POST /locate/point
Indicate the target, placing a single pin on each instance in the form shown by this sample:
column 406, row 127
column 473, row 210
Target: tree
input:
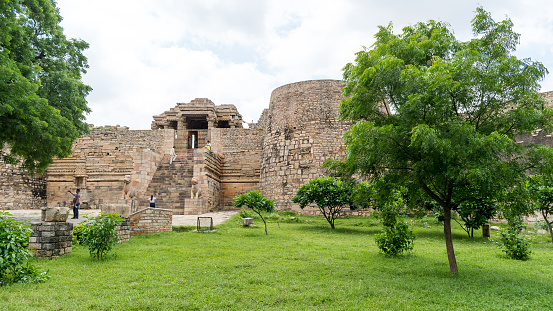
column 435, row 115
column 330, row 195
column 542, row 195
column 475, row 212
column 255, row 201
column 42, row 98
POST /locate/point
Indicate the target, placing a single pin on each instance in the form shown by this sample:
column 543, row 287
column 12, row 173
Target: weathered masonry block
column 150, row 220
column 51, row 239
column 124, row 230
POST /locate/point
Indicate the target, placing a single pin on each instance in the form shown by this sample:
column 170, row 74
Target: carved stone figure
column 128, row 191
column 196, row 191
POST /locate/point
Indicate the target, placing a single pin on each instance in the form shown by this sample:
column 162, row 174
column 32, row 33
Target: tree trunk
column 544, row 214
column 550, row 230
column 264, row 223
column 449, row 241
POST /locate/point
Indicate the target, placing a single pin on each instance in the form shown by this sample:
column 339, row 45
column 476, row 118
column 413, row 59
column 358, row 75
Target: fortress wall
column 18, row 190
column 101, row 159
column 548, row 96
column 241, row 151
column 302, row 132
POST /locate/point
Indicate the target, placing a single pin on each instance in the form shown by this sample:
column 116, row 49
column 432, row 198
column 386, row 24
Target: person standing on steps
column 76, row 203
column 208, row 145
column 152, row 200
column 173, row 155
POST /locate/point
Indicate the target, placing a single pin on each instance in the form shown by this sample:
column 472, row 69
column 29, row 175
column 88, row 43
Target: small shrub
column 514, row 244
column 99, row 234
column 78, row 231
column 395, row 240
column 244, row 213
column 14, row 253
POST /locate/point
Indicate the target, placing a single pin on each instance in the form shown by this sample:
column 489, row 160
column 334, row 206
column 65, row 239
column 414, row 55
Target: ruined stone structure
column 275, row 155
column 301, row 132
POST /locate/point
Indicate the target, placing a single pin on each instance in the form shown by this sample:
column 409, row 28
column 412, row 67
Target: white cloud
column 145, row 56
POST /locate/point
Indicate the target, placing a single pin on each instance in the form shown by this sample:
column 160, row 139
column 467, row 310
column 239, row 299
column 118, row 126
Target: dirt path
column 178, row 220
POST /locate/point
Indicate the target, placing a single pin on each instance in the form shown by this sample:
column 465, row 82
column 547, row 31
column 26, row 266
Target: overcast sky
column 146, row 56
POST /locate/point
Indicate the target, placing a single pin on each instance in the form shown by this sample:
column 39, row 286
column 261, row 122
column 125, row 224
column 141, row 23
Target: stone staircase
column 171, row 182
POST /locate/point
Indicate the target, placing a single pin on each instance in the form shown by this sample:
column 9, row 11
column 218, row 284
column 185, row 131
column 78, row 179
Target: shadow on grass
column 340, row 230
column 183, row 228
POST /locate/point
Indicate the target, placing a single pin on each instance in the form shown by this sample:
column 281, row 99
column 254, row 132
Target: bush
column 14, row 253
column 99, row 234
column 396, row 239
column 78, row 231
column 244, row 213
column 514, row 244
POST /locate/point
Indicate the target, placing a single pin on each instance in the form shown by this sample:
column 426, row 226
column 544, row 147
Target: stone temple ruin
column 276, row 155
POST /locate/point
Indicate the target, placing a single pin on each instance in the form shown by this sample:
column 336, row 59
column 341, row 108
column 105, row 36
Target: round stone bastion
column 302, row 132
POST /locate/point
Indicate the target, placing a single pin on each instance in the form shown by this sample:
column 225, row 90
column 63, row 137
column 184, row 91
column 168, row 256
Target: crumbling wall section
column 20, row 191
column 100, row 161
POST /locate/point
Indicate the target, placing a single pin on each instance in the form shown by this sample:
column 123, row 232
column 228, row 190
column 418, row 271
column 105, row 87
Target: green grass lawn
column 301, row 265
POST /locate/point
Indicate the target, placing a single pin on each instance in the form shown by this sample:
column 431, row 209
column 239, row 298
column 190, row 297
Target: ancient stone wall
column 241, row 151
column 101, row 159
column 150, row 220
column 20, row 191
column 211, row 186
column 548, row 96
column 302, row 132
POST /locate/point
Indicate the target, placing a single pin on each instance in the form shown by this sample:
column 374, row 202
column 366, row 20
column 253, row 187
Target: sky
column 146, row 56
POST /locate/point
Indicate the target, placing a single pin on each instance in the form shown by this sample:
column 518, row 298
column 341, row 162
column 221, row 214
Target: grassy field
column 301, row 265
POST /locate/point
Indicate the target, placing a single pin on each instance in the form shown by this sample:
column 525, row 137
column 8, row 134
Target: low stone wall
column 124, row 230
column 150, row 220
column 51, row 239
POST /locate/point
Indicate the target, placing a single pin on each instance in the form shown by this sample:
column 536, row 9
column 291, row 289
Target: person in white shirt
column 152, row 200
column 173, row 155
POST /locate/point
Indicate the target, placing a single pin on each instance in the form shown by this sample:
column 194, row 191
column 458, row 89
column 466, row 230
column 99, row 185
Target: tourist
column 208, row 145
column 173, row 155
column 76, row 203
column 152, row 200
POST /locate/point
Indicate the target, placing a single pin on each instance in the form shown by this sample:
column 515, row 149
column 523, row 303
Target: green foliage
column 395, row 240
column 244, row 213
column 330, row 195
column 42, row 98
column 78, row 233
column 98, row 233
column 541, row 189
column 14, row 255
column 475, row 212
column 436, row 115
column 515, row 245
column 256, row 202
column 396, row 237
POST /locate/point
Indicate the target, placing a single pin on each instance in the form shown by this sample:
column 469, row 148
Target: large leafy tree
column 42, row 98
column 436, row 115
